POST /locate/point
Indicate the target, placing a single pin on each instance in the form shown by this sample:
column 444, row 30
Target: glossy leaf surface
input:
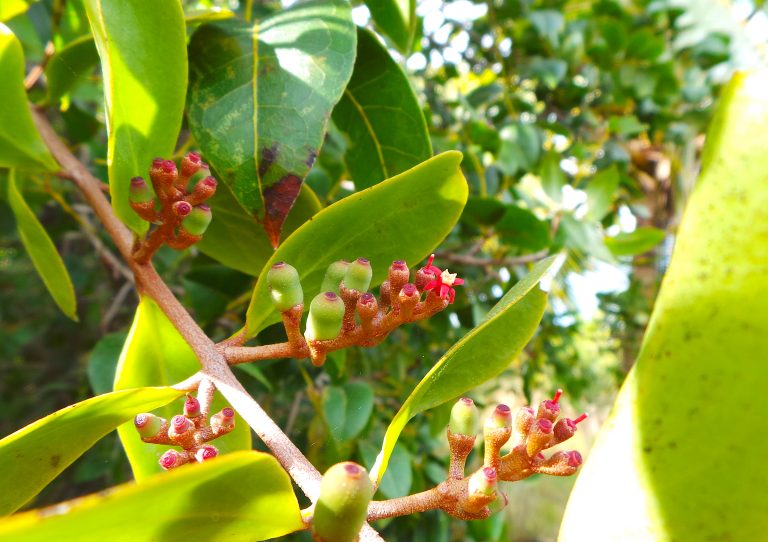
column 404, row 217
column 347, row 409
column 42, row 251
column 681, row 456
column 73, row 62
column 260, row 98
column 155, row 354
column 380, row 117
column 34, row 455
column 20, row 144
column 477, row 357
column 237, row 240
column 396, row 19
column 143, row 49
column 241, row 497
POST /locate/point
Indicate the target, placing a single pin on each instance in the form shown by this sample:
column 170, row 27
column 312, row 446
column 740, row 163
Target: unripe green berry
column 483, row 482
column 345, row 492
column 464, row 417
column 197, row 221
column 284, row 286
column 325, row 317
column 148, row 425
column 358, row 275
column 334, row 275
column 140, row 191
column 501, row 418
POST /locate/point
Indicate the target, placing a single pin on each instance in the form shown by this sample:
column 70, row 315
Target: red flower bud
column 182, row 208
column 550, row 409
column 191, row 407
column 205, row 453
column 190, row 164
column 399, row 274
column 501, row 417
column 172, row 459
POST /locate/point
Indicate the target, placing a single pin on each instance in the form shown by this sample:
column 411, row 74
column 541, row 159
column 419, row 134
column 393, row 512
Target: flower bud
column 326, row 313
column 399, row 274
column 191, row 407
column 205, row 453
column 163, row 172
column 565, row 428
column 172, row 459
column 409, row 294
column 464, row 417
column 225, row 418
column 334, row 275
column 501, row 418
column 523, row 421
column 540, row 436
column 140, row 192
column 179, row 426
column 550, row 409
column 560, row 464
column 198, row 220
column 385, row 293
column 148, row 425
column 182, row 209
column 367, row 308
column 345, row 492
column 358, row 275
column 190, row 164
column 284, row 286
column 423, row 277
column 203, row 189
column 483, row 482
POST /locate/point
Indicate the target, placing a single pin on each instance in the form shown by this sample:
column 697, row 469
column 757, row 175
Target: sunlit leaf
column 396, row 19
column 636, row 242
column 69, row 65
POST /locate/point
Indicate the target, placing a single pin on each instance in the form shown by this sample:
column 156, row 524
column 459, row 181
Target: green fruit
column 197, row 221
column 464, row 417
column 148, row 425
column 358, row 275
column 140, row 191
column 325, row 317
column 284, row 286
column 345, row 492
column 334, row 276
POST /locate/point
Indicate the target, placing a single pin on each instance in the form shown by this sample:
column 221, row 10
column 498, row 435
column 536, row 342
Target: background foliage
column 581, row 125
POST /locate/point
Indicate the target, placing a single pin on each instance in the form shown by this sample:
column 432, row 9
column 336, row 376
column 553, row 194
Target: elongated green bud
column 284, row 286
column 464, row 417
column 325, row 317
column 148, row 425
column 140, row 191
column 358, row 275
column 345, row 492
column 501, row 418
column 196, row 222
column 334, row 275
column 483, row 482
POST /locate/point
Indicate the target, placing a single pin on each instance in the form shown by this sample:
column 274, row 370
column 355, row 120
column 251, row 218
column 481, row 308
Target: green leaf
column 69, row 65
column 584, row 237
column 11, row 8
column 42, row 251
column 626, row 126
column 480, row 355
column 521, row 228
column 34, row 455
column 549, row 23
column 520, row 148
column 242, row 497
column 155, row 354
column 399, row 478
column 404, row 217
column 483, row 211
column 347, row 409
column 552, row 176
column 601, row 192
column 637, row 242
column 20, row 144
column 143, row 49
column 683, row 445
column 260, row 97
column 237, row 240
column 380, row 116
column 396, row 19
column 102, row 363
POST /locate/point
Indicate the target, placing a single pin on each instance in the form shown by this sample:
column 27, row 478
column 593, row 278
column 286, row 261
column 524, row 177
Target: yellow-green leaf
column 682, row 454
column 477, row 357
column 42, row 251
column 143, row 49
column 156, row 354
column 20, row 144
column 404, row 217
column 241, row 497
column 34, row 455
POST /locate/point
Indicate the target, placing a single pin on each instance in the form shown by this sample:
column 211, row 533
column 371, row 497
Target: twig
column 464, row 259
column 115, row 306
column 35, row 73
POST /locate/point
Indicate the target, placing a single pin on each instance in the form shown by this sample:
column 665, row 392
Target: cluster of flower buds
column 345, row 492
column 171, row 203
column 345, row 313
column 531, row 432
column 190, row 431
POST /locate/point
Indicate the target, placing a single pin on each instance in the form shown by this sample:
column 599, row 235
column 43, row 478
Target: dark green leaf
column 155, row 354
column 477, row 357
column 549, row 23
column 42, row 251
column 380, row 117
column 482, row 211
column 636, row 242
column 102, row 362
column 142, row 46
column 399, row 478
column 396, row 19
column 34, row 455
column 260, row 98
column 521, row 228
column 70, row 65
column 243, row 497
column 347, row 409
column 626, row 126
column 404, row 217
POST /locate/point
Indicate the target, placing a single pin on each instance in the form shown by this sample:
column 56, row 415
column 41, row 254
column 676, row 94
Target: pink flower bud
column 172, row 459
column 182, row 208
column 205, row 453
column 483, row 482
column 191, row 407
column 180, row 424
column 501, row 418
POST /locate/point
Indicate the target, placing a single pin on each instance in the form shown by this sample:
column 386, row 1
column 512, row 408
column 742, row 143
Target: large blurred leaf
column 69, row 65
column 241, row 497
column 601, row 192
column 379, row 114
column 155, row 354
column 552, row 176
column 521, row 228
column 142, row 46
column 404, row 217
column 11, row 8
column 20, row 144
column 102, row 363
column 396, row 19
column 42, row 251
column 477, row 357
column 235, row 238
column 34, row 455
column 347, row 409
column 636, row 242
column 260, row 98
column 681, row 457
